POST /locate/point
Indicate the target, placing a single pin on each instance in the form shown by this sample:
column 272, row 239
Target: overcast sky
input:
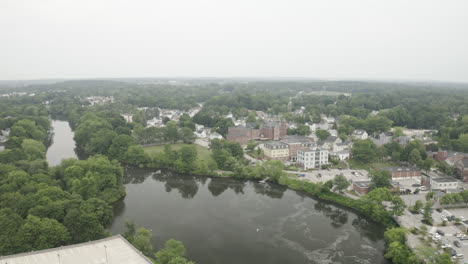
column 342, row 39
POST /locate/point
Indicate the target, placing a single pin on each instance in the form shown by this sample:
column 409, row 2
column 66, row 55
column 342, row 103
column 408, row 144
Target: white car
column 435, row 237
column 462, row 218
column 446, row 246
column 444, row 218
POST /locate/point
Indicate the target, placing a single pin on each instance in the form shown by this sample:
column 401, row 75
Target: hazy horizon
column 369, row 40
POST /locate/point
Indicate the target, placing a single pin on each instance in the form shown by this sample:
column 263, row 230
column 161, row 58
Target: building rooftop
column 366, row 184
column 275, row 143
column 398, row 169
column 296, row 139
column 110, row 250
column 445, row 179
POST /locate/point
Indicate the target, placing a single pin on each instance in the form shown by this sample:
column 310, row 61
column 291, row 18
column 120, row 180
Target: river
column 233, row 221
column 63, row 144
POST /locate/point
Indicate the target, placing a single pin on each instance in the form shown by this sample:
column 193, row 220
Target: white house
column 215, row 135
column 333, row 132
column 155, row 122
column 360, row 134
column 312, row 158
column 330, row 143
column 341, row 155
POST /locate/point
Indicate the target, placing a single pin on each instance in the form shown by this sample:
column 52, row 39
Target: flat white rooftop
column 117, row 249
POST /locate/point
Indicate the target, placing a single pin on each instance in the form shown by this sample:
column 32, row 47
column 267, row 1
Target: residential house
column 312, row 158
column 403, row 140
column 383, row 138
column 330, row 143
column 360, row 134
column 333, row 132
column 322, row 125
column 341, row 155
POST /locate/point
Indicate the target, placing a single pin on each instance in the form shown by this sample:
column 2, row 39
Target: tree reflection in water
column 338, row 216
column 185, row 184
column 270, row 190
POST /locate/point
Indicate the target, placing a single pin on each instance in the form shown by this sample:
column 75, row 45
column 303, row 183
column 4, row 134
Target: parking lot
column 448, row 240
column 326, row 175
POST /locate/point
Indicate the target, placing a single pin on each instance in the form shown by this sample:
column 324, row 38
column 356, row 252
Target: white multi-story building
column 312, row 158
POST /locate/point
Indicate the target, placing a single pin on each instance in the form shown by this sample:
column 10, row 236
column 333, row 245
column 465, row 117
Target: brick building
column 242, row 135
column 404, row 172
column 273, row 130
column 296, row 143
column 363, row 187
column 269, row 131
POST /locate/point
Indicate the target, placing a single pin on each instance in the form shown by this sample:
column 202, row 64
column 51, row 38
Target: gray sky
column 344, row 39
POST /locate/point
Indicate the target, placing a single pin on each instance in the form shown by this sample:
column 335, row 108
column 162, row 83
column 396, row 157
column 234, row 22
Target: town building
column 312, row 158
column 115, row 250
column 276, row 150
column 296, row 143
column 406, row 172
column 443, row 183
column 461, row 168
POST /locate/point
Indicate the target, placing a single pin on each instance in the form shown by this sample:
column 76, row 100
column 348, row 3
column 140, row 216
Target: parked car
column 439, row 210
column 440, row 232
column 435, row 237
column 457, row 243
column 421, row 211
column 416, row 185
column 444, row 246
column 462, row 218
column 444, row 218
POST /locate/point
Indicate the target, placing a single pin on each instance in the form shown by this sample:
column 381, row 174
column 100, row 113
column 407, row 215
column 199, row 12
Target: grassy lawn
column 202, row 152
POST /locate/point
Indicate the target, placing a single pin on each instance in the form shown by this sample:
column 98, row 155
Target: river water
column 63, row 144
column 231, row 221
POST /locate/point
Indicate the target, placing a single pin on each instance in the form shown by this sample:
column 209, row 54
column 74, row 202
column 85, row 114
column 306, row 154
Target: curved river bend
column 217, row 219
